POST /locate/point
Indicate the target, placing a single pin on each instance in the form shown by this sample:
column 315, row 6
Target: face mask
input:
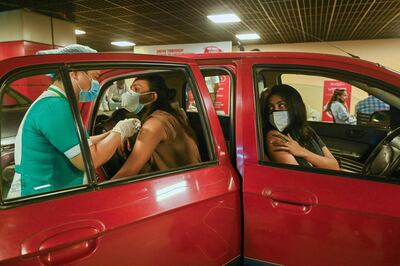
column 279, row 119
column 91, row 94
column 130, row 100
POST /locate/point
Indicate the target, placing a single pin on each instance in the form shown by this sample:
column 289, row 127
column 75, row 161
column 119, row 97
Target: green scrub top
column 46, row 141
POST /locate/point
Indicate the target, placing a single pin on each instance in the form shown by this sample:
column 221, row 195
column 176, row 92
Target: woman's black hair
column 157, row 84
column 336, row 97
column 298, row 127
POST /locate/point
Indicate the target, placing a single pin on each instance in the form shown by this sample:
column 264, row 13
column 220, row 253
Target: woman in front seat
column 165, row 140
column 289, row 138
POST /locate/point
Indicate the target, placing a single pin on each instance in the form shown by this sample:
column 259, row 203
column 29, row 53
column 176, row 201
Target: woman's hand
column 286, row 143
column 123, row 147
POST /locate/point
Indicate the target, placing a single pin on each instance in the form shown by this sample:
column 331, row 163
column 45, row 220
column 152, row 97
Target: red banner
column 221, row 103
column 329, row 88
column 222, row 97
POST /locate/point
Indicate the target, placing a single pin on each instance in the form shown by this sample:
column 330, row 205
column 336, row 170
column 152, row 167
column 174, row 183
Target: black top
column 315, row 145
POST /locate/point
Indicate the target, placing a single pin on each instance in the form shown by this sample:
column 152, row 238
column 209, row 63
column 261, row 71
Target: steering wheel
column 385, row 158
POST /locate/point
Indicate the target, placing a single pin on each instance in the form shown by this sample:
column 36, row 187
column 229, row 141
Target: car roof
column 293, row 55
column 256, row 54
column 32, row 60
column 299, row 55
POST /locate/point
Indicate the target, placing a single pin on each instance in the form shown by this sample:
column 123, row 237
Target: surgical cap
column 69, row 49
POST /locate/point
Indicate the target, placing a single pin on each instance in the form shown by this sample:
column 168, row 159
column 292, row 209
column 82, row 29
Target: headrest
column 171, row 94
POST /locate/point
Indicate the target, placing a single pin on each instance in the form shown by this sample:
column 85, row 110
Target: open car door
column 296, row 215
column 188, row 215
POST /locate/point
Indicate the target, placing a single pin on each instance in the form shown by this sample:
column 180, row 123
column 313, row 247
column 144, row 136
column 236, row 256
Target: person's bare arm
column 287, row 144
column 107, row 143
column 150, row 135
column 96, row 139
column 279, row 156
column 101, row 152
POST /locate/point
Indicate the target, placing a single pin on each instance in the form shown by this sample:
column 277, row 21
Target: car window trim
column 335, row 173
column 157, row 174
column 313, row 70
column 6, row 80
column 232, row 106
column 92, row 185
column 187, row 71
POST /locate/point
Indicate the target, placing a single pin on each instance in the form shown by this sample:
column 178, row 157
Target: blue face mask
column 139, row 108
column 91, row 94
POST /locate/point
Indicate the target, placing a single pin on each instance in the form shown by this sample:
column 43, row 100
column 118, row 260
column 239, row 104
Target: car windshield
column 14, row 108
column 12, row 98
column 392, row 70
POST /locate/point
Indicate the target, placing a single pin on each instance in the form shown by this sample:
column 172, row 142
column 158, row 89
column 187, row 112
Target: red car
column 212, row 49
column 236, row 206
column 306, row 216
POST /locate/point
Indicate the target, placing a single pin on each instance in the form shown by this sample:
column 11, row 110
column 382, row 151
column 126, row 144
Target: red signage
column 329, row 88
column 222, row 97
column 221, row 103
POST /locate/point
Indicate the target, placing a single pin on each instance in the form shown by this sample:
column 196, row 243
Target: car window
column 301, row 120
column 38, row 137
column 317, row 92
column 50, row 157
column 219, row 85
column 181, row 138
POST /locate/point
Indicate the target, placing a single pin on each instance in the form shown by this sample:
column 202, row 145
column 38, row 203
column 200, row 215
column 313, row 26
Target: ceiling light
column 80, row 32
column 224, row 18
column 248, row 36
column 123, row 43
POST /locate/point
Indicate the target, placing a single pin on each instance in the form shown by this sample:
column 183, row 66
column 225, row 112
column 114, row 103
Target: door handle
column 291, row 199
column 64, row 243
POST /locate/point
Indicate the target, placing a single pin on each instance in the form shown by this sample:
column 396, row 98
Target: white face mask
column 130, row 100
column 279, row 119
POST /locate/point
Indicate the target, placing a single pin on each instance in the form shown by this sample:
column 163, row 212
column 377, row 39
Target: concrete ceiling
column 148, row 22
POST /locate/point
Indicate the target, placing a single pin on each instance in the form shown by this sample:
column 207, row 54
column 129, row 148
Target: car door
column 352, row 143
column 309, row 216
column 184, row 216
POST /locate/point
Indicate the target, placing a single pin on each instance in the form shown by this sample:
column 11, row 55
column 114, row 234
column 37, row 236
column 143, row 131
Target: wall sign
column 329, row 88
column 188, row 48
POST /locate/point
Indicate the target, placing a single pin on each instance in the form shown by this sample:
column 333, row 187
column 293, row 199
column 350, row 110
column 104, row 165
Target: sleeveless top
column 178, row 150
column 315, row 145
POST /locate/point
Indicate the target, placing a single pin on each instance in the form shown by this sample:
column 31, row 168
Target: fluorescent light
column 224, row 18
column 80, row 32
column 248, row 36
column 123, row 43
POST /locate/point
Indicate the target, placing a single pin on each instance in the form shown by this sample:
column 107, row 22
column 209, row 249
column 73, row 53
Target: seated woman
column 289, row 138
column 165, row 140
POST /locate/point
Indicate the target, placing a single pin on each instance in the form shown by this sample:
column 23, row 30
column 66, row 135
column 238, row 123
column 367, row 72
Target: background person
column 114, row 94
column 338, row 108
column 289, row 138
column 370, row 105
column 165, row 140
column 47, row 148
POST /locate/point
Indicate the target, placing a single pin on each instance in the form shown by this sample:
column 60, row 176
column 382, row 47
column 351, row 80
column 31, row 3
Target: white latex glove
column 127, row 128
